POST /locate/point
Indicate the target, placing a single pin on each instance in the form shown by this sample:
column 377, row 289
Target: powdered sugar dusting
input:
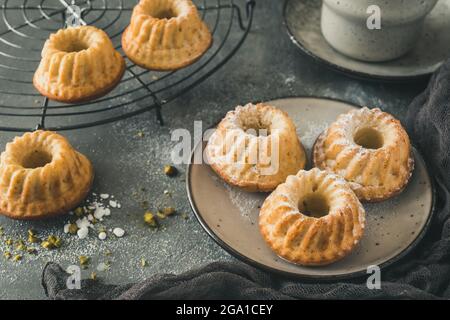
column 248, row 203
column 309, row 132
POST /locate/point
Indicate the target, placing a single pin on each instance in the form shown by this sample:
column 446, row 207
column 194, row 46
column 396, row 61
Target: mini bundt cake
column 78, row 64
column 255, row 147
column 41, row 175
column 165, row 35
column 370, row 149
column 314, row 218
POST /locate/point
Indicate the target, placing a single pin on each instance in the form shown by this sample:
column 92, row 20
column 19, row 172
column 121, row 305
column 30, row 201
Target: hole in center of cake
column 74, row 46
column 368, row 138
column 165, row 14
column 314, row 205
column 36, row 159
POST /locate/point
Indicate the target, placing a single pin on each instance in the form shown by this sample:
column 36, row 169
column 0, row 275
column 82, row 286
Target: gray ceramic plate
column 302, row 19
column 230, row 215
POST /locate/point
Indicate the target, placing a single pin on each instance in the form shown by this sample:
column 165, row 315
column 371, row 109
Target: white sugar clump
column 83, row 232
column 118, row 232
column 112, row 203
column 84, row 223
column 101, row 211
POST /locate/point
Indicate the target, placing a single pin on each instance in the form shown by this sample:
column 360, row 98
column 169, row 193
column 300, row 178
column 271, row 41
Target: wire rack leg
column 159, row 115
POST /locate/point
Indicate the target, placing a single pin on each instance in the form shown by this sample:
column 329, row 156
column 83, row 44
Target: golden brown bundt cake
column 165, row 35
column 314, row 218
column 255, row 147
column 370, row 149
column 78, row 64
column 41, row 175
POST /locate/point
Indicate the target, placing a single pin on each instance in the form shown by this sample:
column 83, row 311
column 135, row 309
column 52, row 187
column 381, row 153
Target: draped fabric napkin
column 423, row 274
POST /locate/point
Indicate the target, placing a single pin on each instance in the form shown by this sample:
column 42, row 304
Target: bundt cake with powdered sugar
column 41, row 175
column 370, row 149
column 255, row 147
column 78, row 64
column 165, row 34
column 314, row 218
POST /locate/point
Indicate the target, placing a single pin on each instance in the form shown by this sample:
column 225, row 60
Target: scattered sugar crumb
column 101, row 211
column 118, row 232
column 83, row 232
column 113, row 203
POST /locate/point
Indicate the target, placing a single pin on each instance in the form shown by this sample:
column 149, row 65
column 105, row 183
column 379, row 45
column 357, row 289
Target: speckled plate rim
column 349, row 72
column 324, row 278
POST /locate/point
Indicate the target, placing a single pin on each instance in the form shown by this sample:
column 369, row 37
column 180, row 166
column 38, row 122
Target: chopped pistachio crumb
column 161, row 215
column 144, row 263
column 150, row 220
column 170, row 171
column 140, row 134
column 7, row 255
column 79, row 211
column 1, row 231
column 108, row 252
column 31, row 232
column 20, row 245
column 168, row 211
column 9, row 242
column 52, row 242
column 73, row 228
column 184, row 216
column 17, row 257
column 33, row 239
column 84, row 260
column 55, row 241
column 93, row 276
column 46, row 245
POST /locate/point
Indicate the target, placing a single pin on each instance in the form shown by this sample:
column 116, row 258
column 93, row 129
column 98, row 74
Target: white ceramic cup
column 344, row 25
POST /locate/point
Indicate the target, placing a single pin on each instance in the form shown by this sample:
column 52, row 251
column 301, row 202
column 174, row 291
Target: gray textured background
column 267, row 66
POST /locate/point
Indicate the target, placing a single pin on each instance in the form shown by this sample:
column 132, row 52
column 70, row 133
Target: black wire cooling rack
column 26, row 24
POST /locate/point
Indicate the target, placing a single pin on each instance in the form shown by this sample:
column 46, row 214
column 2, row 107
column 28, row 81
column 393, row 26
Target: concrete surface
column 130, row 167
